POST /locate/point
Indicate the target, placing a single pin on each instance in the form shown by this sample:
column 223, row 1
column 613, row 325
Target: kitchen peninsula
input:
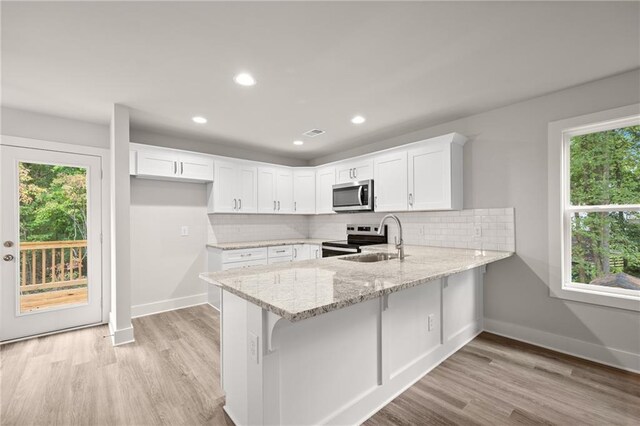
column 332, row 340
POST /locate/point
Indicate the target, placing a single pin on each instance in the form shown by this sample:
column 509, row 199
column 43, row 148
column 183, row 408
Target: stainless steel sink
column 371, row 257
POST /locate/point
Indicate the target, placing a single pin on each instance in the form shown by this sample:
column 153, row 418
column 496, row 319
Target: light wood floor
column 170, row 376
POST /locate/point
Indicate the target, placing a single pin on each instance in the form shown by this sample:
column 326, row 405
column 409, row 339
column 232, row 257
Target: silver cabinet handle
column 246, row 255
column 278, row 205
column 235, row 204
column 295, row 206
column 355, row 173
column 181, row 167
column 280, row 251
column 8, row 257
column 175, row 167
column 410, row 199
column 295, row 252
column 239, row 203
column 316, row 253
column 375, row 201
column 351, row 173
column 274, row 205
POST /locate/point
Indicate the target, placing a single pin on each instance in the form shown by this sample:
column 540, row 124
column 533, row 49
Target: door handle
column 355, row 173
column 295, row 253
column 274, row 205
column 175, row 167
column 350, row 173
column 181, row 167
column 235, row 204
column 8, row 244
column 278, row 205
column 410, row 199
column 239, row 203
column 295, row 206
column 8, row 257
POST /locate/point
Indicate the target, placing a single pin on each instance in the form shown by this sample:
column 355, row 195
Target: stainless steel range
column 357, row 236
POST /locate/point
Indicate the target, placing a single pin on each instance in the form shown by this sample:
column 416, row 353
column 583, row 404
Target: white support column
column 120, row 314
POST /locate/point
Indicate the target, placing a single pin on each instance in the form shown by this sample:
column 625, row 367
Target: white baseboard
column 591, row 351
column 121, row 336
column 168, row 305
column 214, row 306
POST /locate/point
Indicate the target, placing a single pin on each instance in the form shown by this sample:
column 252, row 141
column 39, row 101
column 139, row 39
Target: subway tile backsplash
column 490, row 229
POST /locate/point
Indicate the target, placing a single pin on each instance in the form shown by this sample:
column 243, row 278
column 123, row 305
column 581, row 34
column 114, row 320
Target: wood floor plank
column 170, row 376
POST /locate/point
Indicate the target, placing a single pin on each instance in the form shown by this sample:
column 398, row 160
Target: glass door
column 51, row 248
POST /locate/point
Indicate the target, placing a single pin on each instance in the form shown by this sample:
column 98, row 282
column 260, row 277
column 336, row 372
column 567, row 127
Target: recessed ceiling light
column 244, row 79
column 298, row 142
column 358, row 119
column 199, row 120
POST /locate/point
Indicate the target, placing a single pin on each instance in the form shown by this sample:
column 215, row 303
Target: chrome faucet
column 399, row 244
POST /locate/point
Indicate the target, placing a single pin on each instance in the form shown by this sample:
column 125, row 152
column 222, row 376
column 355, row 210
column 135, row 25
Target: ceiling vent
column 313, row 133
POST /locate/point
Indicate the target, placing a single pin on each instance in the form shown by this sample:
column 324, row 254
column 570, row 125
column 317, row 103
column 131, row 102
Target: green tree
column 605, row 170
column 53, row 202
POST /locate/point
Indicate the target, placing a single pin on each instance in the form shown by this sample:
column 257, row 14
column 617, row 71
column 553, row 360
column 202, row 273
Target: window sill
column 578, row 293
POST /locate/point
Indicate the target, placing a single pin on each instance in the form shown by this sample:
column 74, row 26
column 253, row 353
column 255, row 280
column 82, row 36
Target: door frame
column 103, row 155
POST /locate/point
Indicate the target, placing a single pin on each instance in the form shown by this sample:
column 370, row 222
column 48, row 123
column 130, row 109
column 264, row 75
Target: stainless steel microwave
column 353, row 196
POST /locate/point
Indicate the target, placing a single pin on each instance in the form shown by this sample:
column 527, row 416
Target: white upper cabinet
column 284, row 190
column 325, row 179
column 234, row 188
column 351, row 171
column 267, row 202
column 390, row 182
column 157, row 163
column 247, row 189
column 196, row 167
column 304, row 191
column 435, row 175
column 162, row 163
column 275, row 190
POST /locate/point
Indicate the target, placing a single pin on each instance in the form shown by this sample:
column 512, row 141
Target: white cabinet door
column 266, row 190
column 196, row 167
column 430, row 177
column 247, row 189
column 354, row 171
column 325, row 179
column 390, row 182
column 225, row 199
column 273, row 260
column 160, row 163
column 301, row 252
column 304, row 191
column 315, row 251
column 284, row 190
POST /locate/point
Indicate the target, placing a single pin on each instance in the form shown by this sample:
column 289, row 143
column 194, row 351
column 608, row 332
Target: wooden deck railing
column 52, row 265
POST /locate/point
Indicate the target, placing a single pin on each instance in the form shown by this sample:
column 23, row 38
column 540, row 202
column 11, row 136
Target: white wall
column 224, row 228
column 506, row 166
column 164, row 264
column 27, row 124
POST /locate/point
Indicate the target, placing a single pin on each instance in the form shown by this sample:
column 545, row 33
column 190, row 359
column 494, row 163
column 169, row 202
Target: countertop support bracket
column 269, row 323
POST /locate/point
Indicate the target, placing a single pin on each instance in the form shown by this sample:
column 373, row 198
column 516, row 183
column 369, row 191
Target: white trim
column 64, row 330
column 122, row 336
column 599, row 353
column 558, row 202
column 152, row 308
column 214, row 307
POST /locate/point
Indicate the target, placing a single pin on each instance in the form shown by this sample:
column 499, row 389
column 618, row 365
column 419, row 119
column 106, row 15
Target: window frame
column 560, row 208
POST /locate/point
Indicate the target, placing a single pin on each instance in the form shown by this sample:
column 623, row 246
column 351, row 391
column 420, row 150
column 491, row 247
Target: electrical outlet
column 431, row 321
column 477, row 231
column 253, row 347
column 184, row 231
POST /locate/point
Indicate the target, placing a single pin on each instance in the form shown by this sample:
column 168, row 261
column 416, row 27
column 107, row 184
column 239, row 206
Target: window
column 599, row 213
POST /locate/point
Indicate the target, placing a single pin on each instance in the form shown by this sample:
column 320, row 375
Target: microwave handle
column 360, row 189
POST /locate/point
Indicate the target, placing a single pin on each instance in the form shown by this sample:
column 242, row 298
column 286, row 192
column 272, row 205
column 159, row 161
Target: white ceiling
column 402, row 65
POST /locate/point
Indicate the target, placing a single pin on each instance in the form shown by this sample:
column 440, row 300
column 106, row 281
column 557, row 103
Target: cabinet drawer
column 230, row 256
column 245, row 264
column 281, row 251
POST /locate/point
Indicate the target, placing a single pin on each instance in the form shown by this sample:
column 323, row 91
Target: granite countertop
column 300, row 290
column 265, row 243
